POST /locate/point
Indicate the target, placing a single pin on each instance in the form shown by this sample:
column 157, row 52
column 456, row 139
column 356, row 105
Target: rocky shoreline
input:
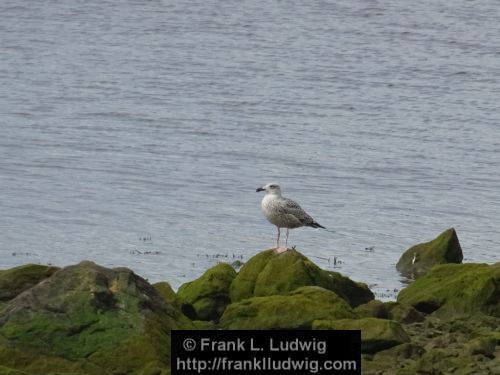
column 88, row 319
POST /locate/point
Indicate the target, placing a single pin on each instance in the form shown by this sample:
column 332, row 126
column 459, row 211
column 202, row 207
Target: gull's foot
column 280, row 250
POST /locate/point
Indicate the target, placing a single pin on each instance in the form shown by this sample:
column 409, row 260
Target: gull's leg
column 278, row 248
column 278, row 239
column 286, row 241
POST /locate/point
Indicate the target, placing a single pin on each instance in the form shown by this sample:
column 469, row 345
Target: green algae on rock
column 402, row 352
column 459, row 346
column 88, row 319
column 419, row 259
column 209, row 294
column 204, row 325
column 297, row 309
column 376, row 334
column 269, row 273
column 452, row 361
column 356, row 293
column 392, row 360
column 165, row 290
column 372, row 309
column 16, row 280
column 454, row 290
column 482, row 345
column 403, row 313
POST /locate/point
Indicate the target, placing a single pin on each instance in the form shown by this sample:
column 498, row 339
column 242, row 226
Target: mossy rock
column 459, row 346
column 209, row 294
column 403, row 313
column 482, row 345
column 393, row 360
column 419, row 259
column 454, row 290
column 16, row 280
column 89, row 319
column 372, row 309
column 297, row 309
column 356, row 293
column 452, row 361
column 269, row 273
column 204, row 325
column 34, row 363
column 167, row 293
column 402, row 352
column 376, row 334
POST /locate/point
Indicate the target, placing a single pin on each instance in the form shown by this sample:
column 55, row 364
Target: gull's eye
column 273, row 186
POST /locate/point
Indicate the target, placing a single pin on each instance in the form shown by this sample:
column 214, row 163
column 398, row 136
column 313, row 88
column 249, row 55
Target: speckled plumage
column 284, row 212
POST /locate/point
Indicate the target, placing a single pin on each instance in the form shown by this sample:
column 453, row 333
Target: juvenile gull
column 284, row 213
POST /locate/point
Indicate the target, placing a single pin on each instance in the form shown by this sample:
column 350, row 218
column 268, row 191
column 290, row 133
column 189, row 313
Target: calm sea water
column 134, row 133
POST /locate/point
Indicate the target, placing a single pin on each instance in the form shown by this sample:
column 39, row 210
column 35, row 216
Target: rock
column 372, row 309
column 403, row 313
column 237, row 264
column 459, row 346
column 16, row 280
column 449, row 361
column 393, row 360
column 89, row 319
column 482, row 345
column 454, row 290
column 355, row 293
column 376, row 334
column 402, row 352
column 439, row 359
column 268, row 273
column 419, row 259
column 167, row 293
column 204, row 325
column 209, row 294
column 295, row 310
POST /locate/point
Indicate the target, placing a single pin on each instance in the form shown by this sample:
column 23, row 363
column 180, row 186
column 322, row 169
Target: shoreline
column 445, row 321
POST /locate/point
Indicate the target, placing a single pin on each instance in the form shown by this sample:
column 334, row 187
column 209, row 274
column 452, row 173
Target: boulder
column 268, row 273
column 204, row 325
column 482, row 345
column 455, row 290
column 168, row 294
column 295, row 310
column 89, row 319
column 18, row 279
column 392, row 360
column 356, row 293
column 402, row 352
column 403, row 313
column 372, row 309
column 209, row 294
column 452, row 361
column 419, row 259
column 376, row 334
column 461, row 346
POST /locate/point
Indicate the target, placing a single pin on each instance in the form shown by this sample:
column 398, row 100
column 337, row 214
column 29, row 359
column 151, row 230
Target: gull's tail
column 315, row 225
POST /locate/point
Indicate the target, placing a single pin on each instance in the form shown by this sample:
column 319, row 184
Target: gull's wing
column 291, row 207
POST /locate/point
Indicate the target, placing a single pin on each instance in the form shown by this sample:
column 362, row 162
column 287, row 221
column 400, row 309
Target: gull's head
column 271, row 188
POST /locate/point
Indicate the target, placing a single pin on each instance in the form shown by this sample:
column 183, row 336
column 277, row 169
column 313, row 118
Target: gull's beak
column 260, row 189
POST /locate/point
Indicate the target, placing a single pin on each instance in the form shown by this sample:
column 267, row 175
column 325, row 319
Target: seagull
column 284, row 213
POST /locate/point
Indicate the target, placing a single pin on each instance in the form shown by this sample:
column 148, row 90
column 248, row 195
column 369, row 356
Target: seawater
column 134, row 133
